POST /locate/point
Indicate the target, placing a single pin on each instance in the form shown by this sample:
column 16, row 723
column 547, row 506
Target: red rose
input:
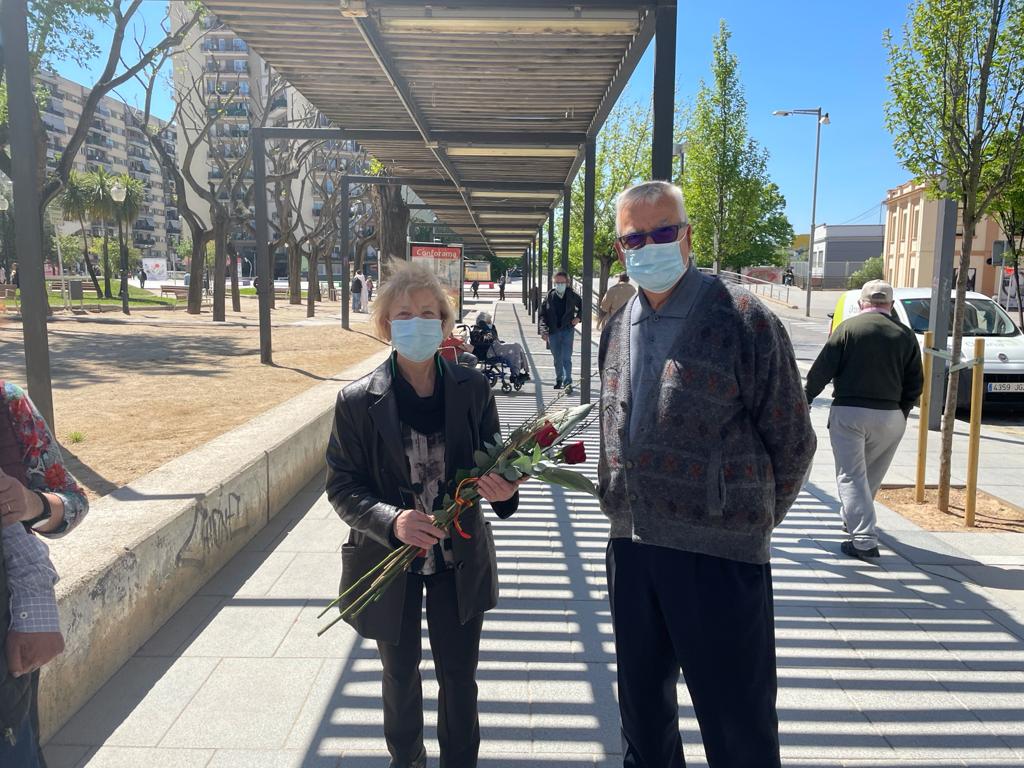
column 547, row 435
column 575, row 453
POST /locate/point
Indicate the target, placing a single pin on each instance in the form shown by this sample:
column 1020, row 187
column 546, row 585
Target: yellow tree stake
column 922, row 426
column 974, row 441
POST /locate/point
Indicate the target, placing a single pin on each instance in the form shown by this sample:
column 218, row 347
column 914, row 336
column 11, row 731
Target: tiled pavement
column 879, row 665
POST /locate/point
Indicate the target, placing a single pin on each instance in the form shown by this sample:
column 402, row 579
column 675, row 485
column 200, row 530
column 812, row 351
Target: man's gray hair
column 651, row 192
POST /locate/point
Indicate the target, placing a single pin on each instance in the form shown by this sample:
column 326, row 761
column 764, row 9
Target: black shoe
column 861, row 554
column 558, row 385
column 845, row 529
column 419, row 762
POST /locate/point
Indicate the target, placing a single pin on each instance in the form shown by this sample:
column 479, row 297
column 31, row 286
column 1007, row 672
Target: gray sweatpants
column 864, row 441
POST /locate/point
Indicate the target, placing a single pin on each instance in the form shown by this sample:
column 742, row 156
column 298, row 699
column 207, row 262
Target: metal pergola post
column 28, row 222
column 664, row 90
column 264, row 265
column 345, row 248
column 590, row 169
column 524, row 267
column 551, row 248
column 566, row 221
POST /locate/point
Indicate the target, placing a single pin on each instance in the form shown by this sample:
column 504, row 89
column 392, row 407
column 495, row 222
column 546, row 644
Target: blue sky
column 792, row 54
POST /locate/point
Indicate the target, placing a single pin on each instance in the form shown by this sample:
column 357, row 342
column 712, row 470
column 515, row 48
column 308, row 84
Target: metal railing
column 763, row 288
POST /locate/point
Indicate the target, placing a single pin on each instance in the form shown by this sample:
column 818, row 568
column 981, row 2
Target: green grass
column 136, row 298
column 252, row 292
column 76, row 437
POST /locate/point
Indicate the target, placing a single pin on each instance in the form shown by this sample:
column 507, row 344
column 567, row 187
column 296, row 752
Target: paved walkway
column 879, row 665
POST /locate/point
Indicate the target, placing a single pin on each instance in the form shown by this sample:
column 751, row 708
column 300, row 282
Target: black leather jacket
column 367, row 470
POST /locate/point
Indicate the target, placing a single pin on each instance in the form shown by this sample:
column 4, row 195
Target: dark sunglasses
column 635, row 240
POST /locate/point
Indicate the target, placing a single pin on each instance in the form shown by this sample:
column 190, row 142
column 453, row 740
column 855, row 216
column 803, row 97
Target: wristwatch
column 46, row 514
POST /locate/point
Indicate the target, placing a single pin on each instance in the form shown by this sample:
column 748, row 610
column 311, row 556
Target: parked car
column 1004, row 342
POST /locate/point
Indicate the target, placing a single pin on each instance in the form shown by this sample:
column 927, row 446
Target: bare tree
column 116, row 72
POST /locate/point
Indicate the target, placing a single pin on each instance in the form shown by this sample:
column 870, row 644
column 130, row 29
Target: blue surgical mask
column 560, row 288
column 417, row 338
column 656, row 267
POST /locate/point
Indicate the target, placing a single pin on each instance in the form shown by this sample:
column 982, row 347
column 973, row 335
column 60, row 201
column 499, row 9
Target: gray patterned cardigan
column 729, row 439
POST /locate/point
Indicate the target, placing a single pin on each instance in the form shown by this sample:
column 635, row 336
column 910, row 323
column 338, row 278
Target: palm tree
column 101, row 206
column 76, row 205
column 126, row 211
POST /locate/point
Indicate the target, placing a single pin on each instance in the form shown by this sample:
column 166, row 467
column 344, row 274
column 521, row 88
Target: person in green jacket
column 874, row 363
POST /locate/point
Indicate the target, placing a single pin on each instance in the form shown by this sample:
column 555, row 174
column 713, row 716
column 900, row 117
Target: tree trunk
column 195, row 271
column 605, row 273
column 313, row 291
column 220, row 242
column 329, row 267
column 294, row 273
column 106, row 264
column 236, row 298
column 393, row 227
column 88, row 261
column 953, row 385
column 1020, row 299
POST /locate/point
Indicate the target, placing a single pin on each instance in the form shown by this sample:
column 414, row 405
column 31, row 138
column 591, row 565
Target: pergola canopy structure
column 494, row 100
column 486, row 109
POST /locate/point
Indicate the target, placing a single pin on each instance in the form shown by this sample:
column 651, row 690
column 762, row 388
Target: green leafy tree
column 101, row 208
column 873, row 269
column 125, row 212
column 735, row 211
column 956, row 113
column 771, row 234
column 1009, row 212
column 76, row 205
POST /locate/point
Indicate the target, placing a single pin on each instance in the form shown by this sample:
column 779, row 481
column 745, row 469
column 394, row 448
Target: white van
column 1004, row 342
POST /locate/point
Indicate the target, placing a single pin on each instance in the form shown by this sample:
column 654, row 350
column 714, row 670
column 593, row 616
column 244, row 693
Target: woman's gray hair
column 651, row 192
column 404, row 279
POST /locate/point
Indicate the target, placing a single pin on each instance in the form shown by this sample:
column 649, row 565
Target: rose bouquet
column 539, row 448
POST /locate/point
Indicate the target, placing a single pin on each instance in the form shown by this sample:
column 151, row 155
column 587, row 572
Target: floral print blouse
column 44, row 463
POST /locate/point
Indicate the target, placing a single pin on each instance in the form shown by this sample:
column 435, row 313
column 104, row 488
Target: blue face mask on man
column 656, row 267
column 417, row 338
column 560, row 288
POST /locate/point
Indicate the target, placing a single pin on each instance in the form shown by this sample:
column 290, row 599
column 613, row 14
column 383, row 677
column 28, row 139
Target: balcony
column 224, row 45
column 281, row 102
column 229, row 110
column 96, row 140
column 146, row 225
column 54, row 109
column 144, row 240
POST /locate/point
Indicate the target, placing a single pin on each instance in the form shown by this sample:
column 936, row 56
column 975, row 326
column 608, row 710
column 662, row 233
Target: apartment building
column 114, row 144
column 910, row 242
column 235, row 83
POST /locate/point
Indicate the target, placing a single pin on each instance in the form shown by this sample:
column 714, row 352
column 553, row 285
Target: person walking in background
column 560, row 312
column 475, row 285
column 706, row 439
column 37, row 495
column 874, row 363
column 501, row 287
column 369, row 290
column 15, row 277
column 356, row 289
column 142, row 278
column 615, row 298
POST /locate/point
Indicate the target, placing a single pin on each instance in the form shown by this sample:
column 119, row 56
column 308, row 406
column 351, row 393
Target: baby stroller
column 494, row 367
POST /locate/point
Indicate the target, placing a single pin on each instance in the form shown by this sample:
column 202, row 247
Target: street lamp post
column 821, row 119
column 680, row 151
column 118, row 193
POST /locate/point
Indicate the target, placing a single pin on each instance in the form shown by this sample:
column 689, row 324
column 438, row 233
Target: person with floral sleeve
column 38, row 498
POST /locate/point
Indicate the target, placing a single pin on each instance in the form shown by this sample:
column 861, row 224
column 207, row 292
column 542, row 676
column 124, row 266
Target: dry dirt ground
column 991, row 514
column 142, row 392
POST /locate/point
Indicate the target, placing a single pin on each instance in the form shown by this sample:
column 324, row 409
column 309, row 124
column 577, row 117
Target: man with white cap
column 874, row 364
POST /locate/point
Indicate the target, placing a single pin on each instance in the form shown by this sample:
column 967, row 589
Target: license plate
column 1006, row 386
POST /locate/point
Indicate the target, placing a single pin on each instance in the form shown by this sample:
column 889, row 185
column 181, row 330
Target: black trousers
column 711, row 618
column 456, row 650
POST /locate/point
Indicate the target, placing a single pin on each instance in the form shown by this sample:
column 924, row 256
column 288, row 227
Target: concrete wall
column 149, row 546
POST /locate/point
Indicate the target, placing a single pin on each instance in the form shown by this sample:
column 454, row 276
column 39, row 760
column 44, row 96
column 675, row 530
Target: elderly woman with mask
column 487, row 344
column 400, row 435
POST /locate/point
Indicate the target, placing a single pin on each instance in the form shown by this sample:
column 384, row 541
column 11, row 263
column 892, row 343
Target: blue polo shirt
column 652, row 335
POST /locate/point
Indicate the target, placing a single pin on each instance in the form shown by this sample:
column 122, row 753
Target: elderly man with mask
column 706, row 442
